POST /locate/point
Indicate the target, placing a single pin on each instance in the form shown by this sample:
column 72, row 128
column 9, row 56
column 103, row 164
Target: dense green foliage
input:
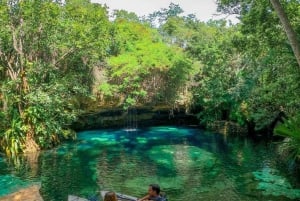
column 47, row 51
column 54, row 55
column 142, row 68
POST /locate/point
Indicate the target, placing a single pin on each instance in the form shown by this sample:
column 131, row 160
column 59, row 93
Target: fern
column 290, row 129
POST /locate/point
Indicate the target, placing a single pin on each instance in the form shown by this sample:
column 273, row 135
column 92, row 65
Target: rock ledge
column 31, row 193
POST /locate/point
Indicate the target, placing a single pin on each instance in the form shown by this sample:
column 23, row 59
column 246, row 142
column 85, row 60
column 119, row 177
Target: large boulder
column 31, row 193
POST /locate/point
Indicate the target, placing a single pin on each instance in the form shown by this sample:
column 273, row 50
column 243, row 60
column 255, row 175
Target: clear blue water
column 189, row 164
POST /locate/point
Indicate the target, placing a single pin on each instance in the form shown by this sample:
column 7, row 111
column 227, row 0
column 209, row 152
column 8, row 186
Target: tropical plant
column 290, row 129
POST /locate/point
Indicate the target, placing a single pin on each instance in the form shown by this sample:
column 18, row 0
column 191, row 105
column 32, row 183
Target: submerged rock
column 271, row 183
column 27, row 194
column 182, row 157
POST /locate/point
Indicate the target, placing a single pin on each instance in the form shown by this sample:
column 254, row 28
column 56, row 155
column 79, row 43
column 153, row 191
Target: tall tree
column 267, row 58
column 291, row 34
column 243, row 7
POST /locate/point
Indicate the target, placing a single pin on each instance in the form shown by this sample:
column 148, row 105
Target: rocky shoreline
column 31, row 193
column 134, row 117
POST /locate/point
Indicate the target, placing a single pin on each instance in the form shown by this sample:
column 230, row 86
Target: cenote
column 189, row 164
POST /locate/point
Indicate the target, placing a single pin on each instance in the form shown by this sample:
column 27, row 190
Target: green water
column 189, row 164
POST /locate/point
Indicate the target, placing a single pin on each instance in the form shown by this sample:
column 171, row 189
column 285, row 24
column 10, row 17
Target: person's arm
column 144, row 198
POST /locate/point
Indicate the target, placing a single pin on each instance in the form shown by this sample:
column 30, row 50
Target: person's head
column 154, row 190
column 110, row 196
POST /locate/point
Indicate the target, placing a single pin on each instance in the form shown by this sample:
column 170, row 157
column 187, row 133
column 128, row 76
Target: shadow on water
column 190, row 164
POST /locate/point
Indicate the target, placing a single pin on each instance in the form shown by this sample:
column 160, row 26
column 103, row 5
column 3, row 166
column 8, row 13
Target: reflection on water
column 189, row 164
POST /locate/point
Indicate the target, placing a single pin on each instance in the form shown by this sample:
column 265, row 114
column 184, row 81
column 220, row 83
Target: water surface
column 189, row 164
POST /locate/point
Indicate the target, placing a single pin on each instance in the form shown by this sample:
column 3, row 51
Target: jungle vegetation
column 56, row 57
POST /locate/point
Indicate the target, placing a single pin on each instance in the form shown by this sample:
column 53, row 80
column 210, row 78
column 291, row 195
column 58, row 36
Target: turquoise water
column 189, row 164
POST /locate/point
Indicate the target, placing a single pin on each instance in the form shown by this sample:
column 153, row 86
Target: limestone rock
column 27, row 194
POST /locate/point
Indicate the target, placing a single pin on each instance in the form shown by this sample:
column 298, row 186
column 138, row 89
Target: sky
column 203, row 9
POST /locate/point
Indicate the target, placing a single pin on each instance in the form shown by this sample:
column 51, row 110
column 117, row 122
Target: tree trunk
column 30, row 145
column 291, row 34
